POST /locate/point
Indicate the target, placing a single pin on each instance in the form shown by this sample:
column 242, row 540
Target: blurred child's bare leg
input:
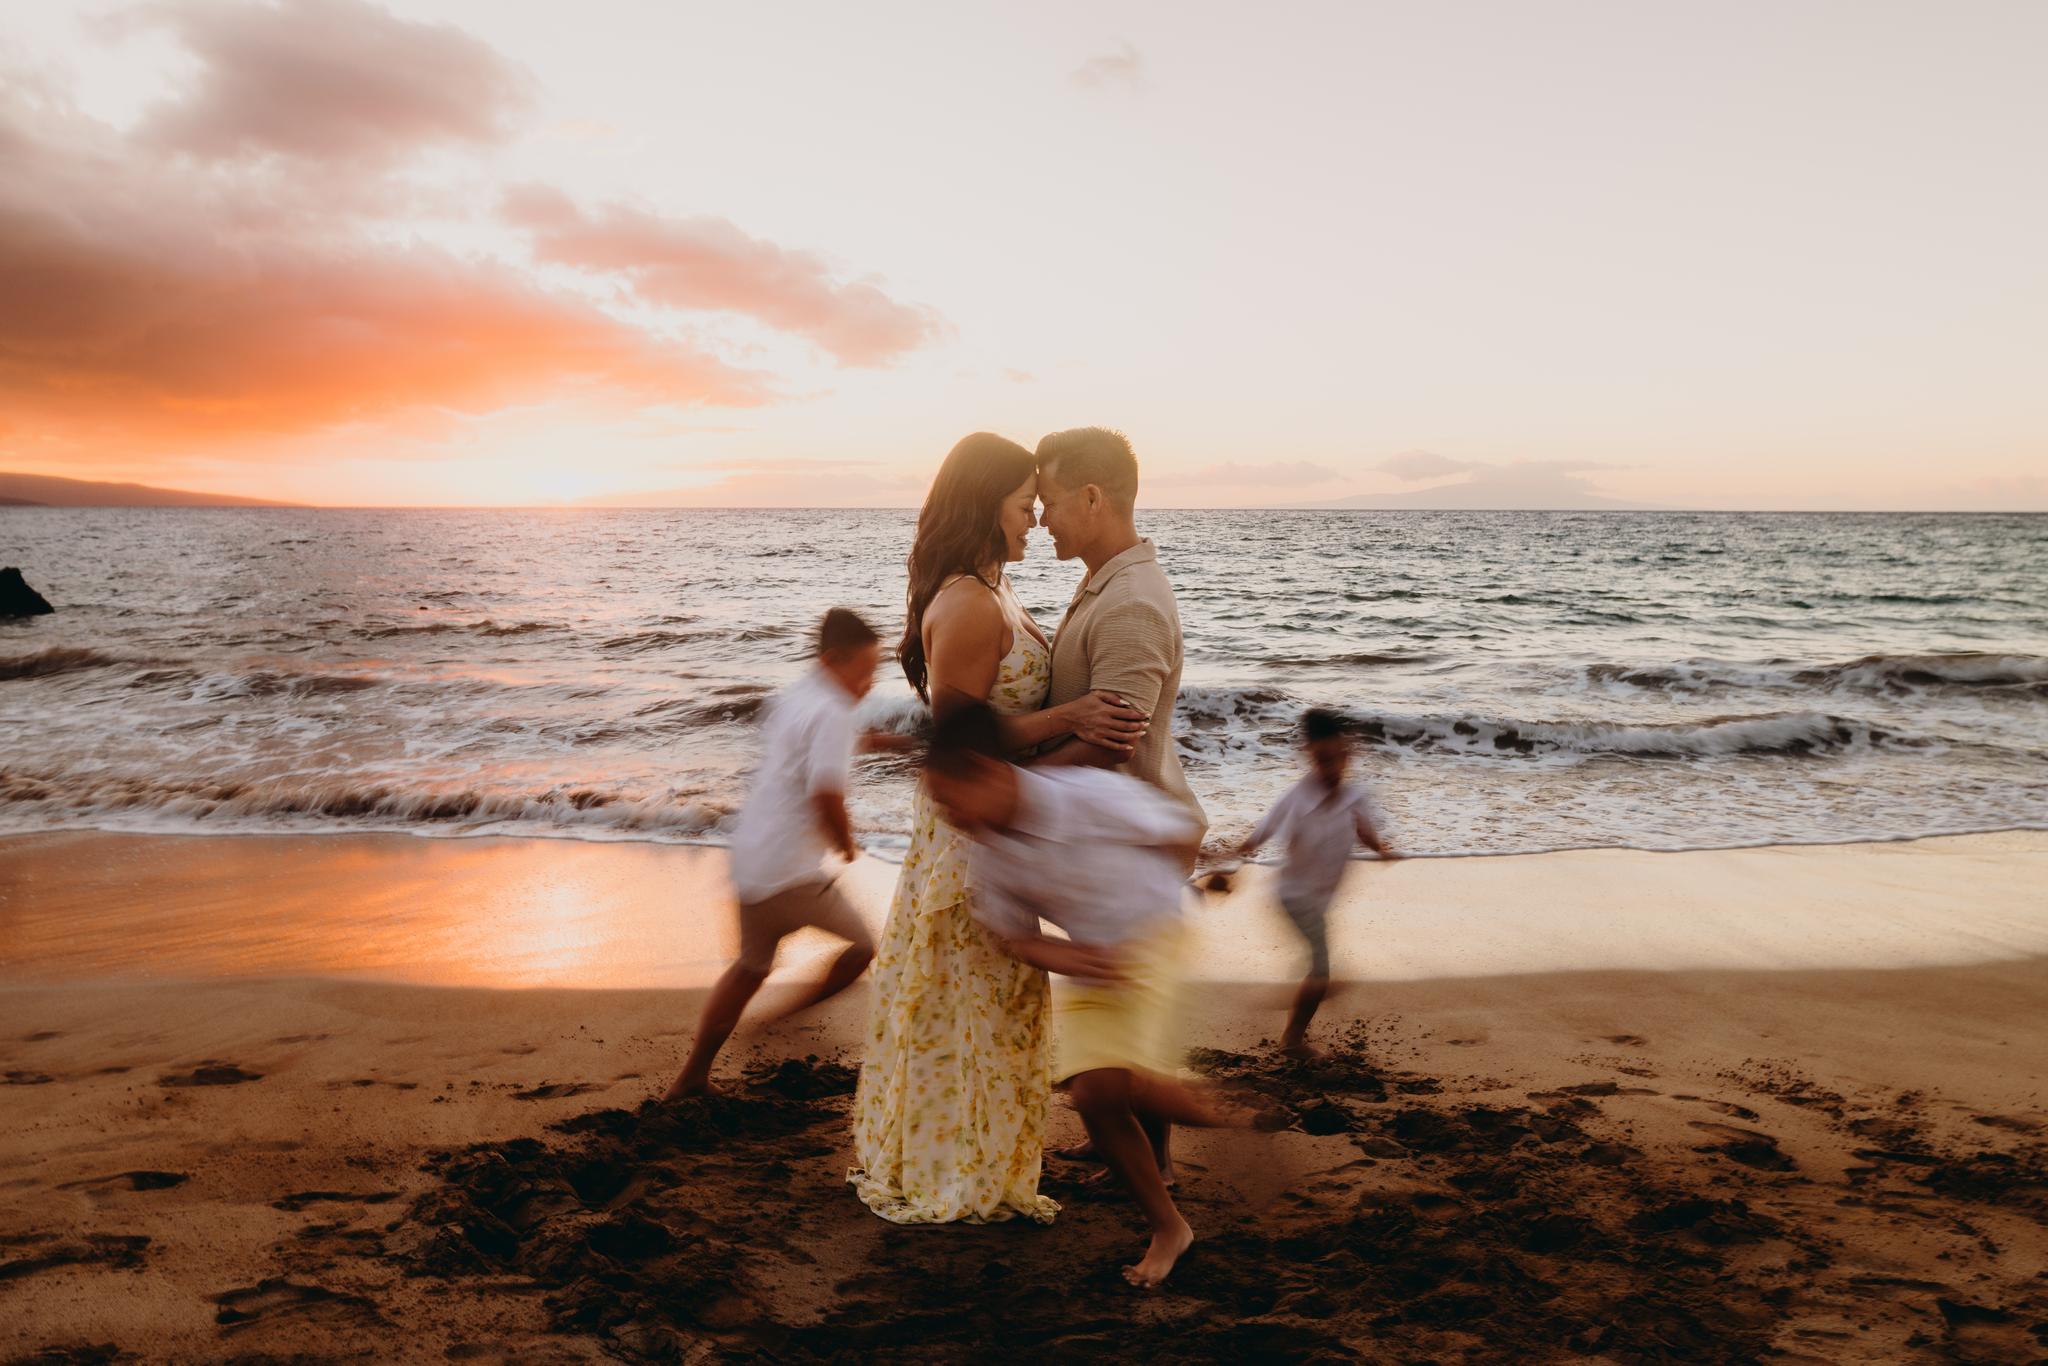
column 846, row 969
column 722, row 1011
column 1311, row 917
column 1164, row 1102
column 1307, row 1001
column 823, row 906
column 1159, row 1133
column 1103, row 1098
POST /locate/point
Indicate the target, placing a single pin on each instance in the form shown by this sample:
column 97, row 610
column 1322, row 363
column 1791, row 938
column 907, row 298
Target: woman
column 949, row 1119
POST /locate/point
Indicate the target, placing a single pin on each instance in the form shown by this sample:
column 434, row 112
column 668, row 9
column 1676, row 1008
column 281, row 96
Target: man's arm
column 1130, row 652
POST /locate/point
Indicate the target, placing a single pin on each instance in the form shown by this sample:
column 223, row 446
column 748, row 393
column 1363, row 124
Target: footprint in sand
column 135, row 1181
column 1729, row 1107
column 25, row 1078
column 121, row 1251
column 374, row 1081
column 211, row 1072
column 75, row 1354
column 556, row 1091
column 1593, row 1088
column 252, row 1304
column 295, row 1203
column 2009, row 1123
column 1627, row 1040
column 1746, row 1146
column 41, row 1035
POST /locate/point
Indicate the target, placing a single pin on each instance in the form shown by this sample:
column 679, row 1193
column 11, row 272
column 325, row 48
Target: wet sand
column 1790, row 1101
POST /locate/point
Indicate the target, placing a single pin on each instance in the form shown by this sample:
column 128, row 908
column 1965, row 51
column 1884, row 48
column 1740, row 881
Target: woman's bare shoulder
column 966, row 615
column 964, row 598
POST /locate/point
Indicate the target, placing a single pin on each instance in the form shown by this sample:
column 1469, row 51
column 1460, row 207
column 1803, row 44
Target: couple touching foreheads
column 949, row 1120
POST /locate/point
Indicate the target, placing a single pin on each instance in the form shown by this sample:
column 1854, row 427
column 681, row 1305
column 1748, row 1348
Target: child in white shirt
column 1101, row 856
column 1320, row 820
column 794, row 818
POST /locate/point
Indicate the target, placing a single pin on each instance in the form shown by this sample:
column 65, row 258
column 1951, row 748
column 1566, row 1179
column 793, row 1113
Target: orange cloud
column 143, row 302
column 703, row 262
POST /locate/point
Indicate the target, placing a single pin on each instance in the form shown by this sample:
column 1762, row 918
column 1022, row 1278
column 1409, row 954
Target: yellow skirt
column 1134, row 1024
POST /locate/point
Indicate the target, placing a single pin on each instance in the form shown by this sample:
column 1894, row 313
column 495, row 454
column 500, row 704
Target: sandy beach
column 373, row 1097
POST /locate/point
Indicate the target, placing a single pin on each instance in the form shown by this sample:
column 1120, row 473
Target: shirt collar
column 1143, row 551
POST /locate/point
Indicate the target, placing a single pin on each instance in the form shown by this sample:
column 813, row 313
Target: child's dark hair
column 1320, row 723
column 965, row 733
column 843, row 629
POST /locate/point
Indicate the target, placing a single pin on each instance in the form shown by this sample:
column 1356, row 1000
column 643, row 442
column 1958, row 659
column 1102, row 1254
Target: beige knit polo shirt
column 1122, row 632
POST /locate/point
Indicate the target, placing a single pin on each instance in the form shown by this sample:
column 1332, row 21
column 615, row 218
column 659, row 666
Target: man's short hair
column 1320, row 723
column 964, row 734
column 843, row 629
column 1093, row 455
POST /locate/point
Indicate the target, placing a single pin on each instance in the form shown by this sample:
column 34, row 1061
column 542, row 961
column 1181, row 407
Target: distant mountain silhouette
column 48, row 490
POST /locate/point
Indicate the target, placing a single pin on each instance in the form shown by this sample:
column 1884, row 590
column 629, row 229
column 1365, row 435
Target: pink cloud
column 1121, row 69
column 147, row 302
column 704, row 262
column 331, row 80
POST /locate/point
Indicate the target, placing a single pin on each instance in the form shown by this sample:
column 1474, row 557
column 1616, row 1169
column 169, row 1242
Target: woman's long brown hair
column 959, row 531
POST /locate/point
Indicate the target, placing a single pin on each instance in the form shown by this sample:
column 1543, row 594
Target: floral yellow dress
column 949, row 1117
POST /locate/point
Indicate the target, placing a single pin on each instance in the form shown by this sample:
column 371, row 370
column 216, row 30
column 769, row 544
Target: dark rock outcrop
column 17, row 599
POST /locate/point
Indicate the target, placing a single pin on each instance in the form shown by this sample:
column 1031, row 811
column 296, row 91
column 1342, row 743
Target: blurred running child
column 1099, row 855
column 1320, row 820
column 795, row 817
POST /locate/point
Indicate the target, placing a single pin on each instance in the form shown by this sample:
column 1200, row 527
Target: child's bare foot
column 1301, row 1050
column 1167, row 1247
column 686, row 1087
column 1084, row 1151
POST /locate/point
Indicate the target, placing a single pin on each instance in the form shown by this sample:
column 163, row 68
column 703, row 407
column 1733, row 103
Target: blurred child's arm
column 1066, row 958
column 829, row 810
column 1249, row 845
column 1369, row 835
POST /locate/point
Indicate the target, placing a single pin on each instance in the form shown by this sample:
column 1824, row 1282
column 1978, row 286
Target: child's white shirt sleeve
column 1274, row 821
column 830, row 753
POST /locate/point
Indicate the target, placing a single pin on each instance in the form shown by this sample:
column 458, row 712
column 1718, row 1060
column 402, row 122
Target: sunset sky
column 1711, row 255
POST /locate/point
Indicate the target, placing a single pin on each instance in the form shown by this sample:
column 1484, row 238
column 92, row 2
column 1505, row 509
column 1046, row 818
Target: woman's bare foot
column 1167, row 1247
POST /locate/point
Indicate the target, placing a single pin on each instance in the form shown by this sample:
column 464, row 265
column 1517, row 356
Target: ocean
column 1525, row 681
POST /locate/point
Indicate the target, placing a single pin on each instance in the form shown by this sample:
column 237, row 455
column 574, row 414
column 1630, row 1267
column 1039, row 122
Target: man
column 1121, row 632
